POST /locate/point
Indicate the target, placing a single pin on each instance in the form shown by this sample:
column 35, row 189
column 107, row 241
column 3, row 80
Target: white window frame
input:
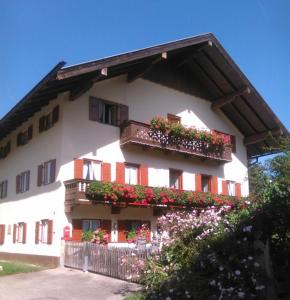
column 92, row 170
column 24, row 177
column 231, row 187
column 47, row 166
column 43, row 231
column 206, row 189
column 131, row 174
column 19, row 233
column 177, row 180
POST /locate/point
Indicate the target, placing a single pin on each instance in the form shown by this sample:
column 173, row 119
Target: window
column 44, row 232
column 131, row 174
column 90, row 225
column 47, row 121
column 173, row 118
column 25, row 136
column 46, row 173
column 127, row 228
column 205, row 183
column 92, row 170
column 80, row 226
column 175, row 179
column 19, row 233
column 22, row 182
column 231, row 188
column 5, row 150
column 3, row 189
column 107, row 112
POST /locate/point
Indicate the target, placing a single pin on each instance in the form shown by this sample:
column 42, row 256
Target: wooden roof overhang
column 182, row 65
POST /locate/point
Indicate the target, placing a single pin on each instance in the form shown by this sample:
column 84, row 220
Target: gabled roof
column 199, row 59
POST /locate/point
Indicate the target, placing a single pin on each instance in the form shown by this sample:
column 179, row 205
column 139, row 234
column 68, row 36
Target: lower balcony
column 80, row 191
column 137, row 133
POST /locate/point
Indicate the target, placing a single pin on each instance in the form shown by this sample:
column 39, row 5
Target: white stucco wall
column 74, row 136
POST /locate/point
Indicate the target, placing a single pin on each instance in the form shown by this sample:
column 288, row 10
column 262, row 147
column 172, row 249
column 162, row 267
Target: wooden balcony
column 75, row 193
column 137, row 133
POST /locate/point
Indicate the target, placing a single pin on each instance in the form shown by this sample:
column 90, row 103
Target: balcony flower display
column 138, row 195
column 176, row 133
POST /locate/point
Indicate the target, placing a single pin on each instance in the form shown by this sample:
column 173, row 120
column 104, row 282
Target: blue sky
column 35, row 35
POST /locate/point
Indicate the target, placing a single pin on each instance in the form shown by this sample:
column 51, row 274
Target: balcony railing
column 80, row 191
column 75, row 193
column 137, row 133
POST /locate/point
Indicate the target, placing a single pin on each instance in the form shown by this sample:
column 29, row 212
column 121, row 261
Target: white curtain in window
column 231, row 188
column 96, row 170
column 86, row 174
column 92, row 170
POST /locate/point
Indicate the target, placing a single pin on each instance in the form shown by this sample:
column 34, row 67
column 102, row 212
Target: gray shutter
column 94, row 109
column 124, row 114
column 41, row 124
column 39, row 175
column 55, row 114
column 52, row 171
column 30, row 132
column 28, row 180
column 17, row 184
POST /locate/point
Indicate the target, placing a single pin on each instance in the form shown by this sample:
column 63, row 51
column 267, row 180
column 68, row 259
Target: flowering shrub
column 145, row 196
column 178, row 130
column 205, row 255
column 100, row 237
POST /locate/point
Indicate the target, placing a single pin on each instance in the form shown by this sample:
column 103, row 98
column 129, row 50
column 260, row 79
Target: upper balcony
column 137, row 133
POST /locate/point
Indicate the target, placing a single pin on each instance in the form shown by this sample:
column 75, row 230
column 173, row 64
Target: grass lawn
column 14, row 267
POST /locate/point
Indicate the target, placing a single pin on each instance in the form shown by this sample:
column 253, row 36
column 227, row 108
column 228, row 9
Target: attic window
column 47, row 121
column 5, row 150
column 25, row 136
column 107, row 112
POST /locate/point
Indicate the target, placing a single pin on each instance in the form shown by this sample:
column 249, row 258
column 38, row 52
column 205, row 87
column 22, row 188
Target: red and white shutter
column 78, row 168
column 106, row 172
column 198, row 187
column 144, row 175
column 120, row 173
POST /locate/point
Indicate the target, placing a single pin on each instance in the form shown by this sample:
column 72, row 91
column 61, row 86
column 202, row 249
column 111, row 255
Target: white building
column 66, row 132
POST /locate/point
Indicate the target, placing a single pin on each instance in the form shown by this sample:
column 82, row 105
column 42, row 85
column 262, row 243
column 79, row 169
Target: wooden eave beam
column 260, row 137
column 194, row 54
column 132, row 76
column 82, row 88
column 219, row 103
